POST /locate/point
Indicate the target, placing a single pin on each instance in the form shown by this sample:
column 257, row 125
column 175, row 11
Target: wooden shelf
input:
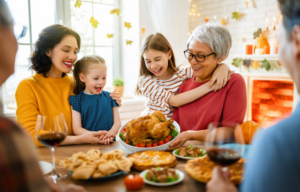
column 258, row 57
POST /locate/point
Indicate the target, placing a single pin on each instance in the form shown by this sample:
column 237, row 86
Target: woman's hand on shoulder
column 180, row 140
column 220, row 77
column 116, row 96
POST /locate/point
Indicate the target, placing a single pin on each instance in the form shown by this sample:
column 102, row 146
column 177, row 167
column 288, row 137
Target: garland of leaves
column 267, row 65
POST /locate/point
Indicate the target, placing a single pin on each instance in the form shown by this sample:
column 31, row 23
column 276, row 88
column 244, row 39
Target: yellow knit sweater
column 45, row 96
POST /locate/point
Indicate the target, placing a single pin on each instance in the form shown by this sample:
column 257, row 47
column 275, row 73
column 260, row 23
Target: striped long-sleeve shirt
column 158, row 92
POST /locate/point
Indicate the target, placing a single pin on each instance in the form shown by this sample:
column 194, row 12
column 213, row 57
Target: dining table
column 115, row 184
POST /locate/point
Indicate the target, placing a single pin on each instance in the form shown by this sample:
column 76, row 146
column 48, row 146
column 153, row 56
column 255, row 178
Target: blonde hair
column 81, row 66
column 158, row 42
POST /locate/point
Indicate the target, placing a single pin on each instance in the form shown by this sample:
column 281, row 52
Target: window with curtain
column 37, row 14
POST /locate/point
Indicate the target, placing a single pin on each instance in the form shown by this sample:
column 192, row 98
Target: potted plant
column 118, row 84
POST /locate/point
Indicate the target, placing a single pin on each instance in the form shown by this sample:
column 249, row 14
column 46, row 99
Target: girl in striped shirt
column 160, row 79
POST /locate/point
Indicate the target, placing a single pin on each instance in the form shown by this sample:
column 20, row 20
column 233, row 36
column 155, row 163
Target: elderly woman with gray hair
column 208, row 46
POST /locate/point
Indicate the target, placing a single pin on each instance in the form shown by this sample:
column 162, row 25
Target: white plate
column 187, row 158
column 46, row 167
column 180, row 174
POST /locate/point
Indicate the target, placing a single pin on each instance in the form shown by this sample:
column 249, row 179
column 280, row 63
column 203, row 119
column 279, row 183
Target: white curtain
column 171, row 18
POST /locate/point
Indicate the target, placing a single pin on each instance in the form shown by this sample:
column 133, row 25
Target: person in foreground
column 47, row 92
column 208, row 46
column 92, row 108
column 275, row 161
column 20, row 170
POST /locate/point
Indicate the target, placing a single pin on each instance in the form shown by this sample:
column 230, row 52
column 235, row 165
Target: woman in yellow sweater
column 47, row 92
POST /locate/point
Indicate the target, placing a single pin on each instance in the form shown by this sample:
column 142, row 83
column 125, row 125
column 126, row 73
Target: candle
column 267, row 20
column 274, row 23
column 249, row 49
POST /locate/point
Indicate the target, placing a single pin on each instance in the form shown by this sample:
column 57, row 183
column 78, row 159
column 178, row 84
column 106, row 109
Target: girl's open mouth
column 157, row 71
column 98, row 89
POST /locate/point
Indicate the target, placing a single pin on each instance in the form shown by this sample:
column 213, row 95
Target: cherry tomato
column 166, row 140
column 137, row 145
column 124, row 129
column 169, row 137
column 127, row 141
column 133, row 182
column 142, row 144
column 154, row 145
column 161, row 143
column 149, row 145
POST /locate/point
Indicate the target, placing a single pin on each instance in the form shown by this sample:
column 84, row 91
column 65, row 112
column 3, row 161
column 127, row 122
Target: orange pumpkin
column 249, row 129
column 262, row 43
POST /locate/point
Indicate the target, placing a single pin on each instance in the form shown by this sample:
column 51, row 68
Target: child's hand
column 220, row 77
column 104, row 133
column 109, row 134
column 108, row 140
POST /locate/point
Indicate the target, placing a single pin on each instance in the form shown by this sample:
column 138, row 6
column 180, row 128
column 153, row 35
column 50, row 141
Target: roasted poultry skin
column 146, row 128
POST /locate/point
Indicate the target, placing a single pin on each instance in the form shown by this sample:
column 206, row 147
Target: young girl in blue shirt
column 92, row 108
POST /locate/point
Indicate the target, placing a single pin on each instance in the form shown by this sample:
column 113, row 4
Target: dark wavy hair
column 81, row 66
column 158, row 42
column 48, row 38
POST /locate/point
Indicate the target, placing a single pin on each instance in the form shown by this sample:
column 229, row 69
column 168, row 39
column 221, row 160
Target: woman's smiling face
column 64, row 54
column 202, row 71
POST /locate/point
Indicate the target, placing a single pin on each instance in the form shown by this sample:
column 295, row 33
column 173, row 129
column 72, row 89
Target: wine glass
column 50, row 131
column 224, row 143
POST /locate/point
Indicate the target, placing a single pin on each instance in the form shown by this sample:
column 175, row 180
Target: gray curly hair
column 215, row 36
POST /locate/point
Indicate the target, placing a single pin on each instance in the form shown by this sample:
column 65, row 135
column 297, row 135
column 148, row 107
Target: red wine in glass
column 51, row 139
column 50, row 131
column 224, row 143
column 223, row 157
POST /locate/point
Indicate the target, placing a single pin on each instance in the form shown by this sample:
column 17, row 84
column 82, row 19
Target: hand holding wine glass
column 224, row 143
column 50, row 131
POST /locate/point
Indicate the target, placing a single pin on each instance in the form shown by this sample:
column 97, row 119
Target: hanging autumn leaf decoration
column 94, row 22
column 109, row 35
column 115, row 11
column 128, row 42
column 224, row 21
column 237, row 15
column 257, row 33
column 237, row 62
column 143, row 30
column 77, row 4
column 247, row 3
column 127, row 25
